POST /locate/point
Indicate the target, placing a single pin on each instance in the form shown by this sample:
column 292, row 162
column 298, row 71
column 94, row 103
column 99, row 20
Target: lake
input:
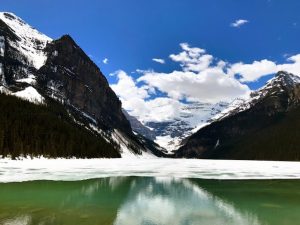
column 42, row 193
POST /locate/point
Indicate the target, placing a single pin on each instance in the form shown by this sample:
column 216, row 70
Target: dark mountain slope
column 76, row 80
column 36, row 130
column 266, row 129
column 37, row 68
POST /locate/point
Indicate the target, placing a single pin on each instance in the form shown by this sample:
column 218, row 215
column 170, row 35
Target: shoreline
column 85, row 169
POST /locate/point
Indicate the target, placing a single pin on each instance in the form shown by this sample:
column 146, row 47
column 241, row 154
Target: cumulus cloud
column 105, row 60
column 201, row 78
column 253, row 71
column 210, row 85
column 135, row 100
column 192, row 59
column 126, row 87
column 292, row 65
column 239, row 23
column 257, row 69
column 161, row 61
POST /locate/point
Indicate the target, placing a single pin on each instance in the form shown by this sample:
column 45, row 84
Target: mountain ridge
column 35, row 67
column 250, row 130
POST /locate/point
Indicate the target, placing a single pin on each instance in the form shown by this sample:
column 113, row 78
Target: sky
column 162, row 54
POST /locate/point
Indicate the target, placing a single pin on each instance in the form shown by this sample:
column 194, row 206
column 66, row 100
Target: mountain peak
column 286, row 78
column 29, row 41
column 68, row 38
column 282, row 81
column 270, row 117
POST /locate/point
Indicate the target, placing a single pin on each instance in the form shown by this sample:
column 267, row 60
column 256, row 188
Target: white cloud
column 253, row 71
column 211, row 85
column 199, row 80
column 239, row 23
column 161, row 61
column 202, row 78
column 293, row 65
column 257, row 69
column 135, row 100
column 192, row 59
column 105, row 60
column 126, row 87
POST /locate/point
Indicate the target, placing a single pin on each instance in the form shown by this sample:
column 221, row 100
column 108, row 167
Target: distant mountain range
column 56, row 102
column 169, row 134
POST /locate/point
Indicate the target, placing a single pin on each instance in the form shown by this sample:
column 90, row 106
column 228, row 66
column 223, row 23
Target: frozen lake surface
column 82, row 169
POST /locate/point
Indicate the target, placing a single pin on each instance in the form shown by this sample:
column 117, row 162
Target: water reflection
column 177, row 201
column 20, row 220
column 149, row 201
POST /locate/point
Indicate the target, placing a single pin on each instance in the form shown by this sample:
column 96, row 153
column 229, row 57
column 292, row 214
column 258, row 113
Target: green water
column 150, row 201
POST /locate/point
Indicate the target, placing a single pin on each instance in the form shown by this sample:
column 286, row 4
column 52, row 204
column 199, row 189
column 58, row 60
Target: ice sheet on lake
column 81, row 169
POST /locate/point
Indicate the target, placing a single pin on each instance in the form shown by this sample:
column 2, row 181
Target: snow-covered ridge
column 237, row 105
column 31, row 42
column 278, row 83
column 190, row 117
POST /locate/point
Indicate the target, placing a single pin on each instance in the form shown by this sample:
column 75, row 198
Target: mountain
column 169, row 133
column 28, row 129
column 49, row 72
column 139, row 128
column 264, row 127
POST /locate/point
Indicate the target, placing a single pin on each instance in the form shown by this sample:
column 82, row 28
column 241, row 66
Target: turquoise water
column 150, row 201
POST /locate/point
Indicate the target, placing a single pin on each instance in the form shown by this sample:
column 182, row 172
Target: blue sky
column 131, row 33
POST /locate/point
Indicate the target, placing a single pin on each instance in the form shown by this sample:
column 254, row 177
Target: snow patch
column 4, row 90
column 2, row 46
column 2, row 76
column 31, row 79
column 125, row 151
column 82, row 169
column 55, row 53
column 168, row 143
column 30, row 94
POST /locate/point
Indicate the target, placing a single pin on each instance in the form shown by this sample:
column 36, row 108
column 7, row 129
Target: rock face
column 38, row 69
column 265, row 127
column 77, row 81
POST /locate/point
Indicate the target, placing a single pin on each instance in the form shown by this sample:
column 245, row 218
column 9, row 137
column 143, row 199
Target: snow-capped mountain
column 41, row 70
column 169, row 134
column 263, row 127
column 27, row 40
column 282, row 82
column 22, row 54
column 139, row 128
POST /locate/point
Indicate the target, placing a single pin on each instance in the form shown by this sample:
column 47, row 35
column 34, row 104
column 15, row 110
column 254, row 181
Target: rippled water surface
column 149, row 201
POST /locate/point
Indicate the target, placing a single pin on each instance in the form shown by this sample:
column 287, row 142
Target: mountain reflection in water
column 149, row 201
